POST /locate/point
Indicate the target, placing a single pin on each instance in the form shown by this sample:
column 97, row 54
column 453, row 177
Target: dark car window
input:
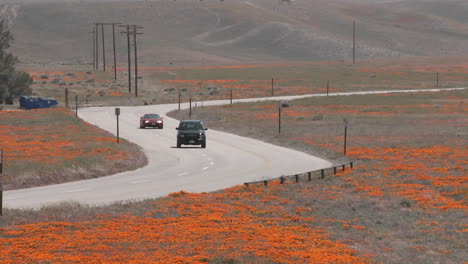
column 191, row 126
column 152, row 116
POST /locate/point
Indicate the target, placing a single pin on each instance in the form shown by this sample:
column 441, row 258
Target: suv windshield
column 191, row 126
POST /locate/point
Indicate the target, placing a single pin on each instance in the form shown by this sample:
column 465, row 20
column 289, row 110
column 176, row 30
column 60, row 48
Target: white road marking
column 10, row 198
column 205, row 168
column 211, row 163
column 136, row 182
column 182, row 174
column 79, row 190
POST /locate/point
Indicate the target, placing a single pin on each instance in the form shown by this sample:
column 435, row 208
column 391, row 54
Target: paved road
column 228, row 160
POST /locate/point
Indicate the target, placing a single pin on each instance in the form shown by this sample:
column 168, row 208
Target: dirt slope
column 209, row 31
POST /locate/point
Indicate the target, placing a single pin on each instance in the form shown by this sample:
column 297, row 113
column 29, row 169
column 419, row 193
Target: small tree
column 13, row 83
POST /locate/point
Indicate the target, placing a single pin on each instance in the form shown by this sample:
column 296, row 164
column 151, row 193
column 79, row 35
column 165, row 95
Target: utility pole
column 128, row 51
column 135, row 28
column 437, row 80
column 103, row 47
column 94, row 49
column 113, row 46
column 97, row 44
column 354, row 42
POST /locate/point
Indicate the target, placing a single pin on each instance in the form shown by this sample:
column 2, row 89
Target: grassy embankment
column 404, row 203
column 48, row 146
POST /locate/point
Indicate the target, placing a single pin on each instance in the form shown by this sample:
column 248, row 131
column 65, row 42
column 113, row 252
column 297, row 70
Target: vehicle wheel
column 203, row 144
column 161, row 127
column 178, row 144
column 142, row 126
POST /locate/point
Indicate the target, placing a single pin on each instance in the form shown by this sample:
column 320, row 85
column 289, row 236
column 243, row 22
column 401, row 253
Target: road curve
column 228, row 160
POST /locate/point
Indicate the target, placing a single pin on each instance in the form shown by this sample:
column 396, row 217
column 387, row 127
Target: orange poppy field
column 44, row 146
column 404, row 202
column 412, row 165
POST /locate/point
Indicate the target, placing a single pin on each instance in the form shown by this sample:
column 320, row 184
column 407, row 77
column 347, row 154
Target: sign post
column 1, row 184
column 346, row 122
column 117, row 113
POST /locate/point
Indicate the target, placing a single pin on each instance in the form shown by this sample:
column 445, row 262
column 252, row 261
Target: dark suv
column 191, row 132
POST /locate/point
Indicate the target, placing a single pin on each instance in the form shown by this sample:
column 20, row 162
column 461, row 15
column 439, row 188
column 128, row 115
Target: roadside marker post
column 1, row 184
column 279, row 117
column 76, row 105
column 117, row 113
column 179, row 99
column 272, row 85
column 346, row 122
column 190, row 106
column 66, row 98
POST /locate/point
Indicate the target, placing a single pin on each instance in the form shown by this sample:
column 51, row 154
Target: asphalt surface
column 228, row 160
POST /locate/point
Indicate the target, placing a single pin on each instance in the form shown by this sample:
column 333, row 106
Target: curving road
column 228, row 160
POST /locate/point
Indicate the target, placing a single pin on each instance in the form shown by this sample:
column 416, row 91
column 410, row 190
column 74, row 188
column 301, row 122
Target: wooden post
column 113, row 47
column 281, row 179
column 322, row 172
column 345, row 135
column 344, row 167
column 66, row 98
column 179, row 99
column 1, row 182
column 297, row 177
column 279, row 118
column 103, row 47
column 265, row 182
column 309, row 175
column 272, row 85
column 351, row 164
column 117, row 114
column 328, row 86
column 334, row 170
column 190, row 106
column 76, row 105
column 231, row 96
column 354, row 41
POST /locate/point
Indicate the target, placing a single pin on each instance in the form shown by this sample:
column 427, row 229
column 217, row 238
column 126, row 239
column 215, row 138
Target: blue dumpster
column 35, row 102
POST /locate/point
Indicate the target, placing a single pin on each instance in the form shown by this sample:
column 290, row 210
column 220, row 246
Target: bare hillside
column 213, row 31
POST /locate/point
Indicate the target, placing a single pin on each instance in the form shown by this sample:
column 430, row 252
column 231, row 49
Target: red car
column 151, row 120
